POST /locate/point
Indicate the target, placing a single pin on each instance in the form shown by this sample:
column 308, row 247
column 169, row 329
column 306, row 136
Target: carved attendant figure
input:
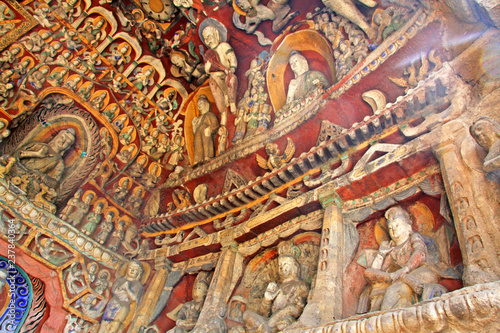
column 93, row 219
column 399, row 271
column 71, row 205
column 220, row 64
column 190, row 311
column 204, row 128
column 282, row 304
column 127, row 292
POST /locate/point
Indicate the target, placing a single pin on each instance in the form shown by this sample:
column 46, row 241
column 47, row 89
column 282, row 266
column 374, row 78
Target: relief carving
column 187, row 316
column 403, row 272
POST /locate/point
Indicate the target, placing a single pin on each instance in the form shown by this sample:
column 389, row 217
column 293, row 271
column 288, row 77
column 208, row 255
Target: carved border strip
column 452, row 312
column 28, row 23
column 57, row 229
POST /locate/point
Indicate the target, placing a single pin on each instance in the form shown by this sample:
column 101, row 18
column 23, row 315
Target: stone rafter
column 430, row 96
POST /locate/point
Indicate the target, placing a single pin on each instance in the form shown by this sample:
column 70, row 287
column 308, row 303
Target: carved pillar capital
column 328, row 196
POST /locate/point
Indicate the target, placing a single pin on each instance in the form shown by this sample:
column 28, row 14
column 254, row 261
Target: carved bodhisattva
column 283, row 303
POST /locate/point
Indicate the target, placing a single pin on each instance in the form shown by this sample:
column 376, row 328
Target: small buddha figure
column 82, row 208
column 190, row 311
column 106, row 228
column 117, row 236
column 305, row 81
column 150, row 179
column 120, row 191
column 205, row 127
column 283, row 303
column 93, row 219
column 71, row 205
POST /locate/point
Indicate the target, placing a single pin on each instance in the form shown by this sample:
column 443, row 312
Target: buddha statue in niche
column 402, row 270
column 205, row 127
column 43, row 163
column 305, row 81
column 283, row 303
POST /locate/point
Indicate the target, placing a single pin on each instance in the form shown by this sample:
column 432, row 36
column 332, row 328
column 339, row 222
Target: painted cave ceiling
column 181, row 121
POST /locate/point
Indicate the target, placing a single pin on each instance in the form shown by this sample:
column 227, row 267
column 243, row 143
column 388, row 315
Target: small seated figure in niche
column 85, row 91
column 126, row 154
column 117, row 236
column 144, row 77
column 127, row 292
column 144, row 129
column 305, row 81
column 150, row 141
column 82, row 208
column 58, row 77
column 134, row 202
column 188, row 315
column 205, row 127
column 137, row 168
column 110, row 112
column 486, row 132
column 161, row 147
column 120, row 191
column 283, row 303
column 38, row 78
column 402, row 270
column 93, row 219
column 93, row 30
column 99, row 101
column 126, row 136
column 106, row 228
column 150, row 179
column 119, row 56
column 71, row 205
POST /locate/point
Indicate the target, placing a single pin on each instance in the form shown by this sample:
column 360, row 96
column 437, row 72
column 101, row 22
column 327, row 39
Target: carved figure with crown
column 403, row 272
column 285, row 298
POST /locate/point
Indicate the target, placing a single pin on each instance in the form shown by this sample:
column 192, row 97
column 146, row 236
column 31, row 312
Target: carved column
column 144, row 314
column 472, row 201
column 325, row 301
column 226, row 275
